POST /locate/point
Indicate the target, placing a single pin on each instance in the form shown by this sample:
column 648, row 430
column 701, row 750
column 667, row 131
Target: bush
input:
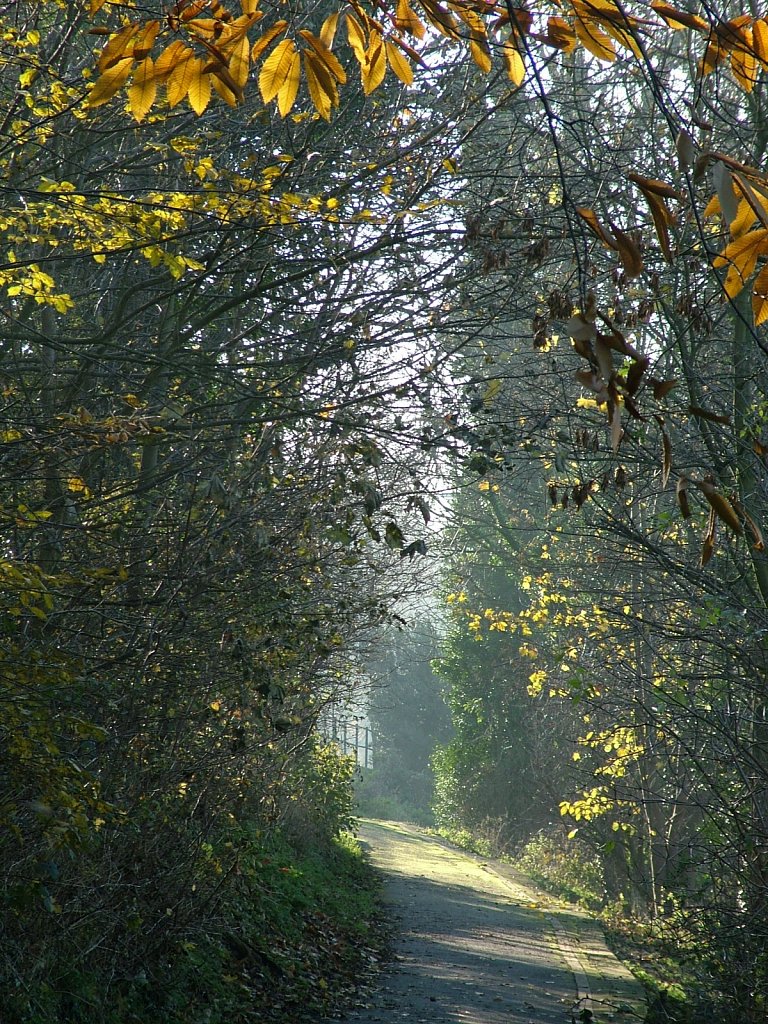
column 566, row 867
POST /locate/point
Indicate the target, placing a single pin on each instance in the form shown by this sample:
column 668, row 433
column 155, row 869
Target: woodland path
column 479, row 944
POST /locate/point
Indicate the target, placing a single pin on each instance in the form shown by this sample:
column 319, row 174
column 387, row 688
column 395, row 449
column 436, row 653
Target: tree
column 408, row 718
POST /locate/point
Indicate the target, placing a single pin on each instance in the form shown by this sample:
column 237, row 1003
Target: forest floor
column 478, row 943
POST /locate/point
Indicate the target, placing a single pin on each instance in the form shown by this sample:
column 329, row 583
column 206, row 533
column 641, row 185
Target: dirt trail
column 478, row 944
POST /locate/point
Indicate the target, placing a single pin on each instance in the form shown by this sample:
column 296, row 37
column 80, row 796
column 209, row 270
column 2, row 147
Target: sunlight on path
column 474, row 946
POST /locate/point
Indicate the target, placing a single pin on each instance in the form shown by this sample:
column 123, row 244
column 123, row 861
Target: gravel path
column 478, row 944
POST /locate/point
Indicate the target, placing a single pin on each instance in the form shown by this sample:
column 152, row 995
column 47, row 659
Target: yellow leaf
column 760, row 297
column 261, row 44
column 742, row 256
column 239, row 61
column 407, row 21
column 481, row 54
column 170, row 58
column 110, row 82
column 398, row 63
column 328, row 30
column 145, row 40
column 595, row 40
column 760, row 40
column 513, row 62
column 375, row 66
column 143, row 90
column 199, row 91
column 326, row 56
column 744, row 63
column 277, row 69
column 224, row 89
column 494, row 387
column 321, row 86
column 356, row 37
column 180, row 78
column 443, row 21
column 290, row 87
column 115, row 49
column 478, row 43
column 560, row 34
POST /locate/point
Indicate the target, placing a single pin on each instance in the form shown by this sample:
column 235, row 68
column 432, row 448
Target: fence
column 353, row 735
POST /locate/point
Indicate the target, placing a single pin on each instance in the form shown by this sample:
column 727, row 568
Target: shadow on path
column 472, row 947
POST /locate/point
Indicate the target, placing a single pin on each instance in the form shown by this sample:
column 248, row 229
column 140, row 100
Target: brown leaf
column 705, row 414
column 708, row 546
column 617, row 431
column 723, row 182
column 682, row 496
column 686, row 149
column 661, row 388
column 757, row 534
column 629, row 253
column 654, row 187
column 667, row 457
column 590, row 218
column 655, row 192
column 580, row 328
column 604, row 357
column 721, row 506
column 635, row 374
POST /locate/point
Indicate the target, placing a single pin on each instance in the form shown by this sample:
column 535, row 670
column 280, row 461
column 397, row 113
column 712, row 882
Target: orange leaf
column 679, row 19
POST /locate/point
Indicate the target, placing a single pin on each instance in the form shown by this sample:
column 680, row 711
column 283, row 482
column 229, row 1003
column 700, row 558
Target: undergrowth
column 297, row 935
